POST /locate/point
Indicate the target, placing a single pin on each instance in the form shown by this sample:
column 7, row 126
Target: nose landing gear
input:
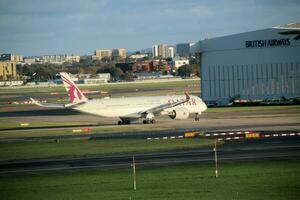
column 197, row 117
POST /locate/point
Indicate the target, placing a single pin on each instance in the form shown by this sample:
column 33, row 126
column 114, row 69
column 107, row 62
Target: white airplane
column 130, row 109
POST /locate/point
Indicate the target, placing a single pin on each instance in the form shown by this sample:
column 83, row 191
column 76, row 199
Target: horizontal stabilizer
column 47, row 105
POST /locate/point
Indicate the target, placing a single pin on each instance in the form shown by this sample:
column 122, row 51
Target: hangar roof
column 289, row 26
column 283, row 36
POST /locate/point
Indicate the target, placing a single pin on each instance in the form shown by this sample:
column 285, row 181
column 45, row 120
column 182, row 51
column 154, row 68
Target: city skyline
column 79, row 27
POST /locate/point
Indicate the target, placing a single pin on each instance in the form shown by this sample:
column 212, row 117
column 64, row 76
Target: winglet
column 187, row 95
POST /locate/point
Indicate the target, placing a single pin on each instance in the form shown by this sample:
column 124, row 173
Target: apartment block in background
column 59, row 59
column 170, row 53
column 119, row 53
column 8, row 70
column 102, row 53
column 160, row 50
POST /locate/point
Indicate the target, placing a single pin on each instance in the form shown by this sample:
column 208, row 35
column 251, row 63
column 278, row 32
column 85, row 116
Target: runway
column 159, row 134
column 282, row 119
column 262, row 120
column 229, row 152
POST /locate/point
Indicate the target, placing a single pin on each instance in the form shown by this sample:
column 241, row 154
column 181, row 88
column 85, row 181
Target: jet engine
column 179, row 113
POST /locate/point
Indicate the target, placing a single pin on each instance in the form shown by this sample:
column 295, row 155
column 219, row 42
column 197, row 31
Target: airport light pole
column 134, row 174
column 216, row 159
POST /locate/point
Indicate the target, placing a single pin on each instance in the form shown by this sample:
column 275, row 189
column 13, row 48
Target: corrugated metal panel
column 252, row 81
column 228, row 69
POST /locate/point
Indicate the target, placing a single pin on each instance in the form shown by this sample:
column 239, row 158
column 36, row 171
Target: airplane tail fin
column 75, row 94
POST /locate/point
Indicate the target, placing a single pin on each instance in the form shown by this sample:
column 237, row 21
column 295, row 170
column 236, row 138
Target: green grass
column 251, row 108
column 84, row 147
column 265, row 180
column 12, row 125
column 69, row 131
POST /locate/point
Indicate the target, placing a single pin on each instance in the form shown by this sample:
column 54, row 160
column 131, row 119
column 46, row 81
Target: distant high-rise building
column 121, row 53
column 102, row 53
column 160, row 50
column 155, row 50
column 170, row 52
column 183, row 50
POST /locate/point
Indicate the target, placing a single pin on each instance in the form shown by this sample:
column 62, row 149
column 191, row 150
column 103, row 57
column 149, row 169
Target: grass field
column 251, row 181
column 83, row 147
column 69, row 131
column 12, row 125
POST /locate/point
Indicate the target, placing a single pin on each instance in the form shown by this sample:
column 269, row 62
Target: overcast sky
column 37, row 27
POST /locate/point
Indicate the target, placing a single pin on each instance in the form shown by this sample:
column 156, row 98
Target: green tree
column 39, row 71
column 87, row 70
column 194, row 61
column 118, row 72
column 106, row 59
column 168, row 59
column 196, row 69
column 128, row 76
column 185, row 71
column 128, row 59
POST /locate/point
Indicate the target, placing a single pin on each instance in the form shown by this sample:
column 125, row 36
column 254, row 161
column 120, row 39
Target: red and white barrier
column 165, row 138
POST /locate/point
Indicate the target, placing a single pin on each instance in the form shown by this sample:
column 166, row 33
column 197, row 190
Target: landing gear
column 148, row 121
column 197, row 117
column 123, row 121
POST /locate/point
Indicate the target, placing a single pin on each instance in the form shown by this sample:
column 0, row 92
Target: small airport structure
column 252, row 66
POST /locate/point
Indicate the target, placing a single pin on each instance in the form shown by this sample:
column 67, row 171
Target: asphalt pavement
column 260, row 149
column 251, row 150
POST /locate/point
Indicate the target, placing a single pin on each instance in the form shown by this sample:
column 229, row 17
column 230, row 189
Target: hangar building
column 256, row 65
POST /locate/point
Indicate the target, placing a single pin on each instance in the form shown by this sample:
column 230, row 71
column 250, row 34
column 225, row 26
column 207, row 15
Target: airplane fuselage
column 127, row 106
column 130, row 109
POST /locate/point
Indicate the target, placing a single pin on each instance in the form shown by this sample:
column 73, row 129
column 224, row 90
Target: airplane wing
column 54, row 105
column 156, row 110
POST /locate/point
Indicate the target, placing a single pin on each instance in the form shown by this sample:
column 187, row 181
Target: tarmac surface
column 287, row 119
column 263, row 120
column 253, row 150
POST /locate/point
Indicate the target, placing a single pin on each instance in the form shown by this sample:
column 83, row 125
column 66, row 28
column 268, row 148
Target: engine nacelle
column 179, row 113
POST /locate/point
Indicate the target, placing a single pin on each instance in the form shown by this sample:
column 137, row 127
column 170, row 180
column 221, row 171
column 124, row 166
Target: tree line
column 43, row 72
